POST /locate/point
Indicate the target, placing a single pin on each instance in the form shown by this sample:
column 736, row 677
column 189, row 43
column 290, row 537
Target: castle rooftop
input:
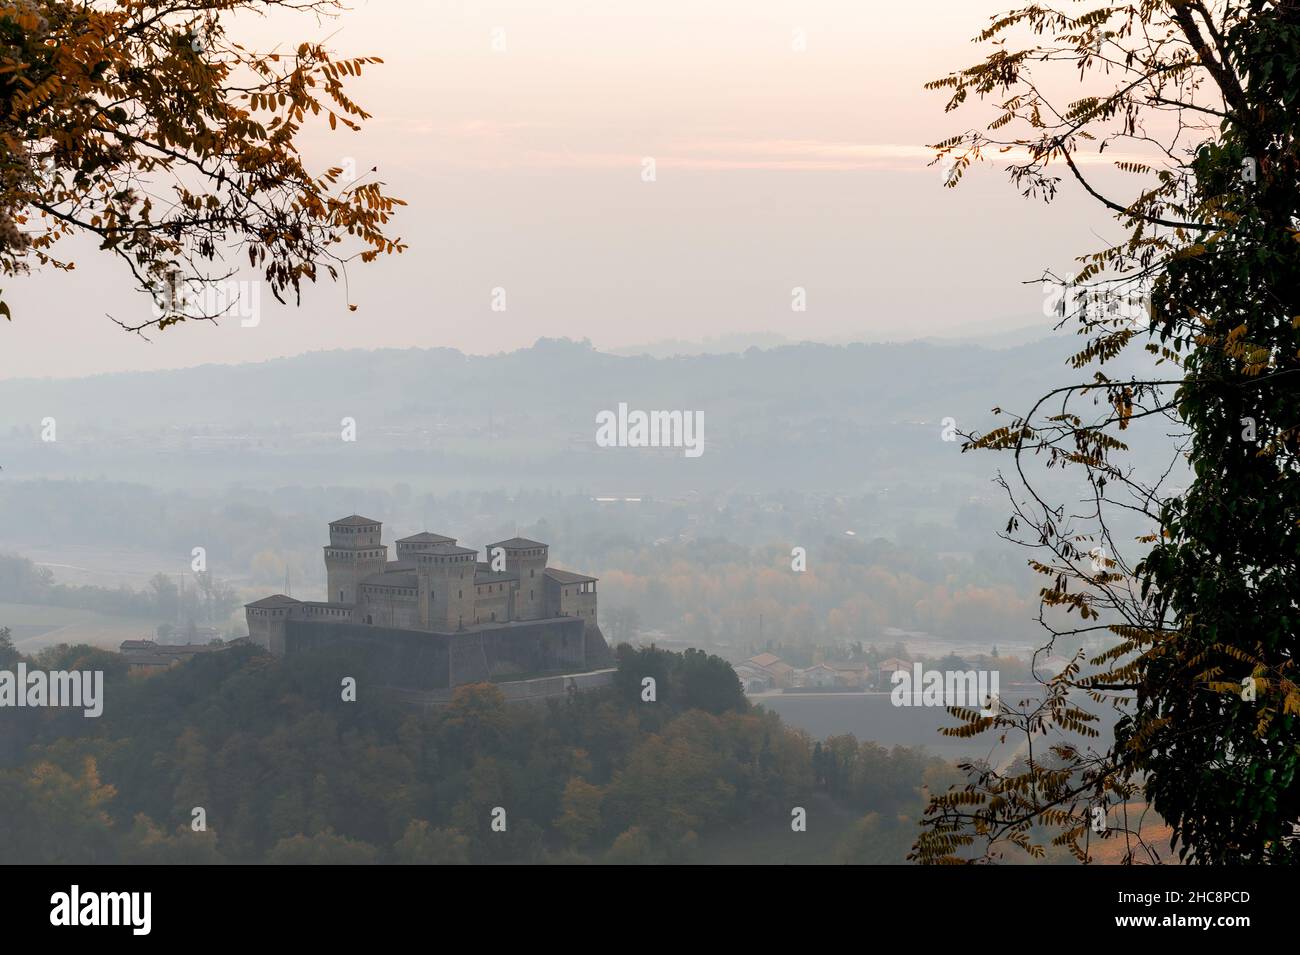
column 446, row 549
column 426, row 537
column 275, row 600
column 567, row 576
column 517, row 543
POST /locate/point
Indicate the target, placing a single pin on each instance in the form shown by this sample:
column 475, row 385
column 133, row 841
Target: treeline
column 850, row 591
column 281, row 769
column 207, row 601
column 703, row 568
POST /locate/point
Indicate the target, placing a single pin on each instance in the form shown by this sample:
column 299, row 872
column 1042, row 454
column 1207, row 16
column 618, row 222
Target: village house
column 851, row 675
column 754, row 679
column 817, row 677
column 147, row 656
column 885, row 671
column 781, row 672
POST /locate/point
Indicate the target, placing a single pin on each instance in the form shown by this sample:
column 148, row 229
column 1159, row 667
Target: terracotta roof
column 518, row 543
column 427, row 537
column 567, row 576
column 275, row 600
column 445, row 549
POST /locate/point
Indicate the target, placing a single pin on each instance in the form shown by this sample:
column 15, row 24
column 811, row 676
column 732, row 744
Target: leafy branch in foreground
column 1193, row 616
column 142, row 124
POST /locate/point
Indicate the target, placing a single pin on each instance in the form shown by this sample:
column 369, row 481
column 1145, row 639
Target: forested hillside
column 285, row 771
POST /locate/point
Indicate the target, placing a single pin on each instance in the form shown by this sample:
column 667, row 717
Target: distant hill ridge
column 554, row 377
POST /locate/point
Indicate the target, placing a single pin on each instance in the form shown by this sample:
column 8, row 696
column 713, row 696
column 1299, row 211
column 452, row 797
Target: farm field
column 34, row 627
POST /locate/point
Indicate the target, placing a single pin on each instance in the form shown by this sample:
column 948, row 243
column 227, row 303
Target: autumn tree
column 1195, row 102
column 8, row 653
column 580, row 819
column 422, row 844
column 144, row 125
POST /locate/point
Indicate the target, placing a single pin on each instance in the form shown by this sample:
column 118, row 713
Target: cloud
column 497, row 145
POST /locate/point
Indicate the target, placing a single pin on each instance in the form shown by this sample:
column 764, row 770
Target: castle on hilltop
column 437, row 616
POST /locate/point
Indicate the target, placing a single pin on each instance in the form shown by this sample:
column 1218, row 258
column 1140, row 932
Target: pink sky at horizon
column 522, row 168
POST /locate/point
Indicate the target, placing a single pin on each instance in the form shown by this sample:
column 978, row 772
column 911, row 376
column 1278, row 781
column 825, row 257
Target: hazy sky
column 775, row 169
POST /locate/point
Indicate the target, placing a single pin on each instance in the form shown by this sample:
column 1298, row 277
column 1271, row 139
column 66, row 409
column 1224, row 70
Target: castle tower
column 527, row 560
column 445, row 581
column 408, row 547
column 353, row 554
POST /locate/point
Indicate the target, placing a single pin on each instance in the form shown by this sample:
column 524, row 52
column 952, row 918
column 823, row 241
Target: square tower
column 408, row 547
column 353, row 554
column 445, row 581
column 527, row 560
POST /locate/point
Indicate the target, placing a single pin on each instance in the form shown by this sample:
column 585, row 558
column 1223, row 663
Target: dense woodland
column 285, row 771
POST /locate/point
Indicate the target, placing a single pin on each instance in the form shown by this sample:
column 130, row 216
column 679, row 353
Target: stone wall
column 384, row 606
column 266, row 628
column 517, row 649
column 389, row 656
column 423, row 661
